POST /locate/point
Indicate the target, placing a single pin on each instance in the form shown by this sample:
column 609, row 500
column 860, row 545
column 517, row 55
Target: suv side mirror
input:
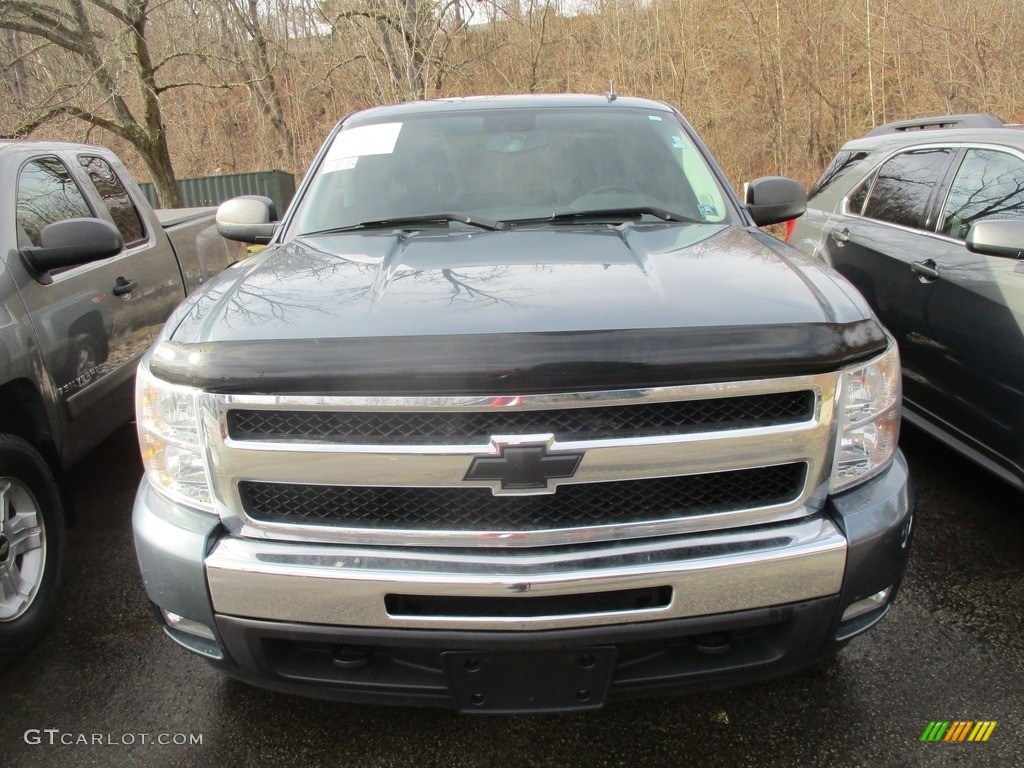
column 248, row 219
column 997, row 238
column 71, row 242
column 774, row 199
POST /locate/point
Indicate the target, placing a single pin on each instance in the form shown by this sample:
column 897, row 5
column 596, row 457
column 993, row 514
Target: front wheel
column 31, row 546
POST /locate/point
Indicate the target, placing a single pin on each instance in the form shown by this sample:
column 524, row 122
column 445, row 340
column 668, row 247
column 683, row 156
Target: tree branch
column 49, row 29
column 383, row 18
column 168, row 59
column 90, row 117
column 46, row 18
column 212, row 86
column 114, row 11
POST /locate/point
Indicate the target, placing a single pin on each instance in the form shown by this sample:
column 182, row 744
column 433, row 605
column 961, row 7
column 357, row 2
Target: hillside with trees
column 191, row 88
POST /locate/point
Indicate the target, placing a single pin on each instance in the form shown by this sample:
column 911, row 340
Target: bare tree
column 252, row 52
column 18, row 73
column 774, row 86
column 404, row 42
column 89, row 54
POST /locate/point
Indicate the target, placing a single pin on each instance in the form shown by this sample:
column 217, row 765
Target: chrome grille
column 465, row 427
column 395, row 470
column 477, row 509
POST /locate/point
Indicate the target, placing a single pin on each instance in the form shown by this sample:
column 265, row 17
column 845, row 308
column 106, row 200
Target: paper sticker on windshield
column 678, row 143
column 654, row 117
column 340, row 164
column 707, row 210
column 365, row 140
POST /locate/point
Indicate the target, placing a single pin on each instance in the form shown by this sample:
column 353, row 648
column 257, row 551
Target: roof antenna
column 611, row 95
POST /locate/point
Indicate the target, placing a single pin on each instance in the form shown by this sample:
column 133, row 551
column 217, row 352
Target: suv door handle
column 123, row 286
column 841, row 236
column 927, row 270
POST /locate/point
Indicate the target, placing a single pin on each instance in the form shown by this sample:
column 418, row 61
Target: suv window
column 115, row 196
column 988, row 185
column 859, row 195
column 840, row 166
column 47, row 193
column 904, row 185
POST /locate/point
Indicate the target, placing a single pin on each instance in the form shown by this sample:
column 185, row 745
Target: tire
column 31, row 546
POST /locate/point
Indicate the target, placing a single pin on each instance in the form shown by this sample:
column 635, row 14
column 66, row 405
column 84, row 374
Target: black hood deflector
column 512, row 364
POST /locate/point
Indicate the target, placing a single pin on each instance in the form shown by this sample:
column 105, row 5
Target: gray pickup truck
column 520, row 411
column 90, row 273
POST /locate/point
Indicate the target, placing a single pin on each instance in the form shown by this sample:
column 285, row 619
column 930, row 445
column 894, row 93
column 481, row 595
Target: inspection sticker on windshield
column 340, row 164
column 354, row 143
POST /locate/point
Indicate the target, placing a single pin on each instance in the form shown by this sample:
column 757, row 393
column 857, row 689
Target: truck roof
column 537, row 101
column 57, row 146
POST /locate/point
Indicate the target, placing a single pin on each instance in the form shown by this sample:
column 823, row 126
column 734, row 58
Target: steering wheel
column 608, row 189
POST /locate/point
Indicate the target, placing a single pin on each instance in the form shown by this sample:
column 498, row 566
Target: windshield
column 511, row 165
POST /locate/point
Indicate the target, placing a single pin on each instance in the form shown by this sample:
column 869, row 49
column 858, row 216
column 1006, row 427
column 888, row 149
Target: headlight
column 868, row 418
column 168, row 422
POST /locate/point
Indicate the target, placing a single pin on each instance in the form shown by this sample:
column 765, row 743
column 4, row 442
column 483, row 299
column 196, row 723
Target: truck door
column 154, row 266
column 90, row 322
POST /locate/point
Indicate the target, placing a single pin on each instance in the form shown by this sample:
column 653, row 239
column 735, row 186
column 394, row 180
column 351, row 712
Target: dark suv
column 926, row 218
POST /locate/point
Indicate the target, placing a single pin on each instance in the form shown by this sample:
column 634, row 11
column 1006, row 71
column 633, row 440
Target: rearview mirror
column 774, row 199
column 72, row 242
column 997, row 238
column 248, row 219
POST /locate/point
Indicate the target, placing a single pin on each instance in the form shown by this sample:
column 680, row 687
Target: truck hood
column 722, row 302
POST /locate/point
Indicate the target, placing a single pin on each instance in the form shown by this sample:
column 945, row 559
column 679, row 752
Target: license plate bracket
column 551, row 680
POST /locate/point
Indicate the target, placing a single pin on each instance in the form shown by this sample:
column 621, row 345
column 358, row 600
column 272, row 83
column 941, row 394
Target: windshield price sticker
column 354, row 143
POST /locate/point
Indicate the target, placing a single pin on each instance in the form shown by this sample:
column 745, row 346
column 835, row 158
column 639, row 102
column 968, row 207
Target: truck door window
column 904, row 186
column 988, row 185
column 116, row 198
column 47, row 193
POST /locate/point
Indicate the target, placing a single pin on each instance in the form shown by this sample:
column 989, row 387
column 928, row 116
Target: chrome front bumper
column 192, row 568
column 353, row 586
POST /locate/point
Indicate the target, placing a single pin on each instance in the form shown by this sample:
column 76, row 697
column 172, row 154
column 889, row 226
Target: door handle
column 927, row 270
column 124, row 286
column 841, row 236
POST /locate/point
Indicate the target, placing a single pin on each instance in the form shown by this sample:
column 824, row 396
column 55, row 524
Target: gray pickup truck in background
column 90, row 273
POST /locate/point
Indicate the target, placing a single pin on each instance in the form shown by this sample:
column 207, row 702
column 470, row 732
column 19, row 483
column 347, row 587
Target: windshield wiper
column 631, row 212
column 401, row 222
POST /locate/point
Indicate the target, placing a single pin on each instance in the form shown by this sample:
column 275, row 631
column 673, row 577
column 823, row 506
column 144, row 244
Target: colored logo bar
column 958, row 730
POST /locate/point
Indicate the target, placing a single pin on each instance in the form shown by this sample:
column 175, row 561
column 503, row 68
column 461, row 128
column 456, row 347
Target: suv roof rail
column 975, row 120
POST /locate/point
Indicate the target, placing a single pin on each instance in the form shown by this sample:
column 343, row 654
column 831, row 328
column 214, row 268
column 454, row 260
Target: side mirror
column 72, row 242
column 997, row 238
column 248, row 219
column 774, row 199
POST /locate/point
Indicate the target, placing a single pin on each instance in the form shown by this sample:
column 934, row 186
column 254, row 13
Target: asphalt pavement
column 107, row 688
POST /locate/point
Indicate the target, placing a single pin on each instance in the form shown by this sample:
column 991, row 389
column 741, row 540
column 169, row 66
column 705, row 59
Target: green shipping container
column 279, row 186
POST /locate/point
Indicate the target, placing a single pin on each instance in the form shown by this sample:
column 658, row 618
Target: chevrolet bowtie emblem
column 523, row 467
